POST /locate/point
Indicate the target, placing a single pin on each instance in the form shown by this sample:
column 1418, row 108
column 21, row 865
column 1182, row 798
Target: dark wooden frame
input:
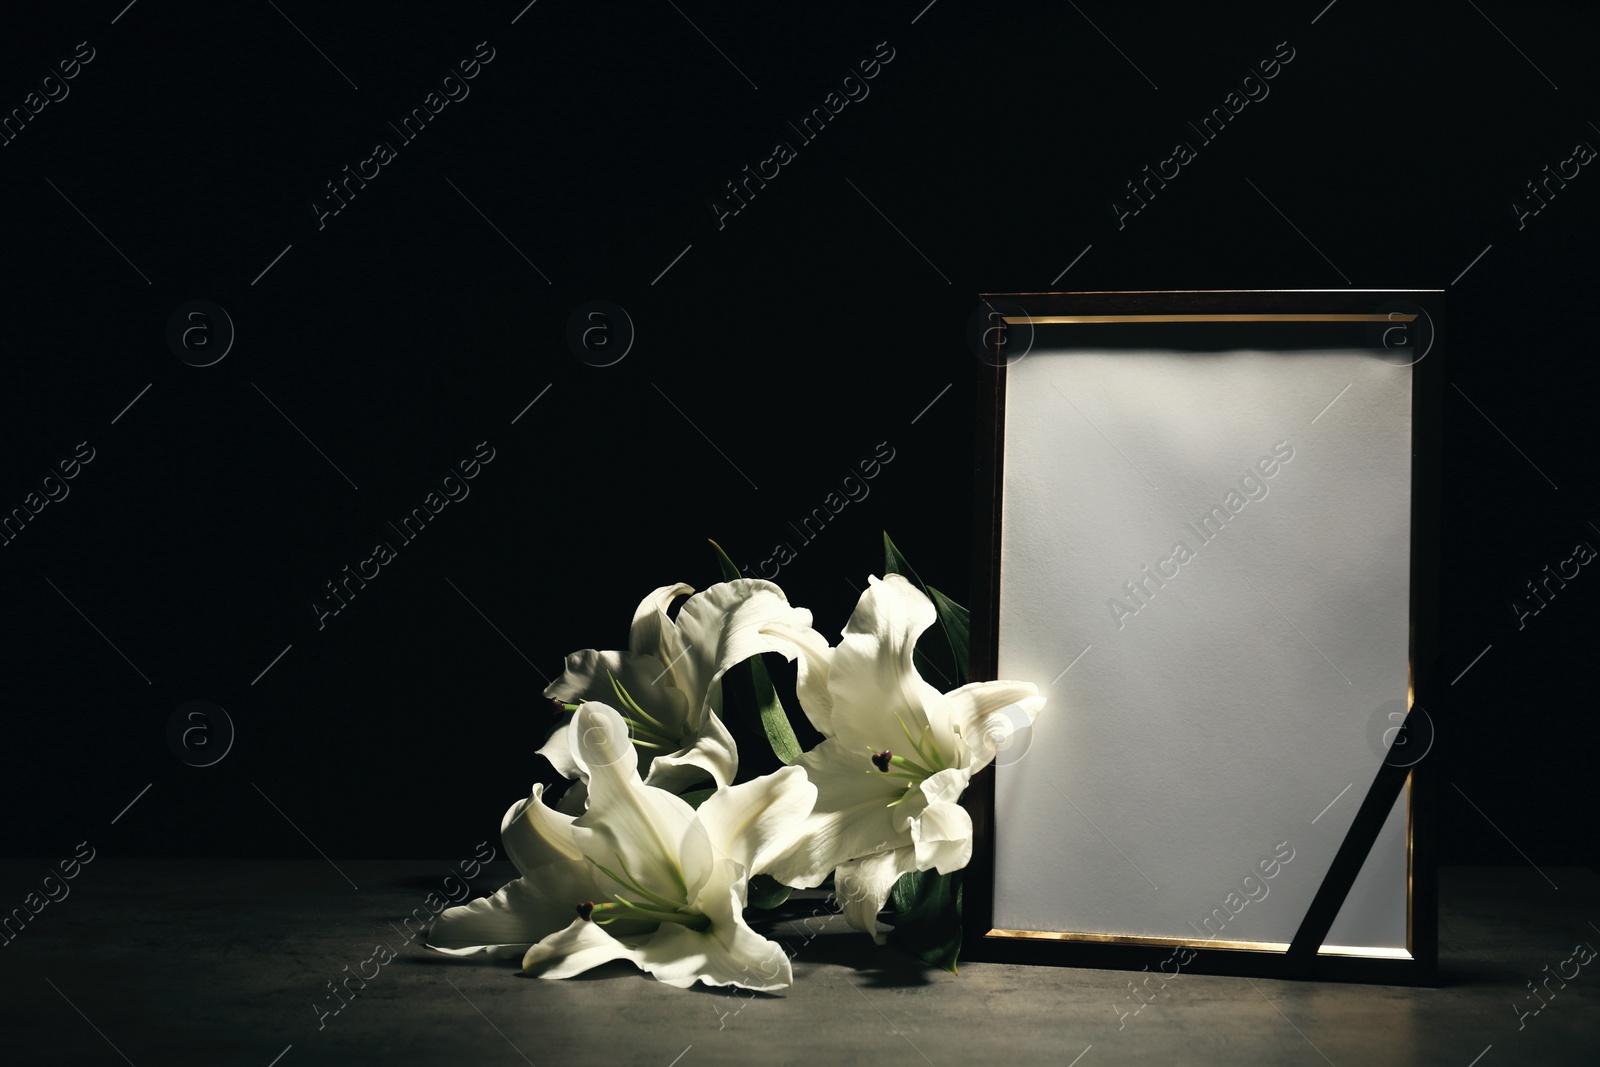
column 1302, row 959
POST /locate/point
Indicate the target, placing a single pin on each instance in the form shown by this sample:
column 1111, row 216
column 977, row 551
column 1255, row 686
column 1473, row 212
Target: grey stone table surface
column 231, row 962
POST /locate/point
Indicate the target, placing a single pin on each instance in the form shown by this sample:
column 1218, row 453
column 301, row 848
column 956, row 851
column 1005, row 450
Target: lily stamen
column 605, row 914
column 916, row 768
column 633, row 885
column 645, row 730
column 899, row 767
column 918, row 743
column 639, row 887
column 632, row 705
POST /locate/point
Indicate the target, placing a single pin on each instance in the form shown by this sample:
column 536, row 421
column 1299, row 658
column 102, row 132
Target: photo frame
column 1207, row 529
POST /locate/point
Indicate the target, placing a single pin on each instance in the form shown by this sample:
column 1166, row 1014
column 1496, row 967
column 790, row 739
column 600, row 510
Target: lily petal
column 558, row 749
column 879, row 713
column 575, row 801
column 653, row 633
column 655, row 832
column 852, row 816
column 576, row 948
column 709, row 752
column 984, row 714
column 588, row 676
column 750, row 823
column 729, row 953
column 678, row 956
column 712, row 754
column 519, row 914
column 878, row 696
column 862, row 886
column 674, row 673
column 535, row 834
column 721, row 627
column 812, row 655
column 941, row 834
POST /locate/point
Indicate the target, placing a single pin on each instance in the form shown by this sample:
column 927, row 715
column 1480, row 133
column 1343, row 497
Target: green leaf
column 928, row 923
column 696, row 797
column 769, row 706
column 895, row 563
column 942, row 662
column 956, row 621
column 774, row 719
column 766, row 891
column 729, row 570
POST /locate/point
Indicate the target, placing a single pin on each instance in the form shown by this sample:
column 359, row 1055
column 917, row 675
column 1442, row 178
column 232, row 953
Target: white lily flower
column 676, row 877
column 668, row 685
column 897, row 753
column 554, row 877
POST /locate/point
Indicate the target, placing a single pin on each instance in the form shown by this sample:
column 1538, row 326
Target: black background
column 813, row 325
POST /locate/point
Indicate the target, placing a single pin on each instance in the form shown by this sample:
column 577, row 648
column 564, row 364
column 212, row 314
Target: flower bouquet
column 656, row 850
